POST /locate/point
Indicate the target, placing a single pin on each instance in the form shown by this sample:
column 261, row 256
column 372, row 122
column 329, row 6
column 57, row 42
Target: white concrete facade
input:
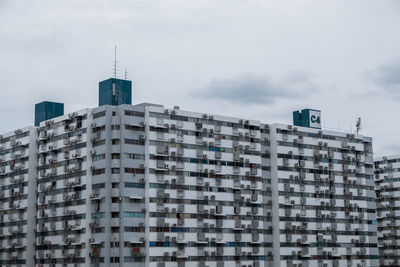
column 323, row 198
column 143, row 185
column 17, row 203
column 207, row 196
column 387, row 184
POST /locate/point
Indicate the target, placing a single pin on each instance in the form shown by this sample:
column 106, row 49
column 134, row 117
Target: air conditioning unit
column 72, row 212
column 72, row 115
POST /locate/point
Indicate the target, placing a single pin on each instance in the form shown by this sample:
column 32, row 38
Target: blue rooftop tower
column 47, row 110
column 307, row 118
column 115, row 92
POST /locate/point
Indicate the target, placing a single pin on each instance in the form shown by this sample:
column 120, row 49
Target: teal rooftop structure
column 47, row 110
column 115, row 92
column 310, row 118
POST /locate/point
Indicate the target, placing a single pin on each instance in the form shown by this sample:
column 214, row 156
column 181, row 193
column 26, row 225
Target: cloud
column 388, row 77
column 258, row 89
column 60, row 50
column 389, row 147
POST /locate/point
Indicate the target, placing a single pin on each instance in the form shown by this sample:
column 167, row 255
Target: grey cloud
column 259, row 89
column 389, row 148
column 3, row 3
column 59, row 50
column 388, row 77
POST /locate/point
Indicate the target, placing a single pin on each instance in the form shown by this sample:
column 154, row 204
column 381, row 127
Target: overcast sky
column 251, row 59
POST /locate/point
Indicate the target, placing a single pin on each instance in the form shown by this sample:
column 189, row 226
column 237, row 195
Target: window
column 114, row 259
column 97, row 215
column 115, row 142
column 99, row 114
column 98, row 230
column 99, row 143
column 134, row 214
column 134, row 156
column 132, row 170
column 98, row 186
column 133, row 229
column 115, row 170
column 98, row 157
column 115, row 156
column 99, row 129
column 134, row 142
column 99, row 171
column 114, row 244
column 134, row 185
column 134, row 113
column 133, row 127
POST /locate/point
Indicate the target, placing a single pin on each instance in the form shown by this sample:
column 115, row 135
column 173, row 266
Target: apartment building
column 387, row 186
column 209, row 204
column 325, row 201
column 151, row 186
column 90, row 196
column 18, row 152
column 145, row 185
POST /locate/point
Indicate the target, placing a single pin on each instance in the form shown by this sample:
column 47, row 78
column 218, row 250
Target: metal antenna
column 126, row 75
column 358, row 125
column 115, row 62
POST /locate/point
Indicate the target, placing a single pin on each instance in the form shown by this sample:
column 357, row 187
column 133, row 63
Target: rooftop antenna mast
column 358, row 125
column 126, row 75
column 115, row 62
